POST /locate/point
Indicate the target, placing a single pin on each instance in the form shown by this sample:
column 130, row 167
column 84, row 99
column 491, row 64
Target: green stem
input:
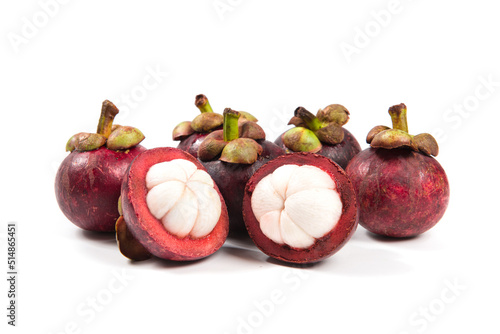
column 312, row 122
column 202, row 103
column 230, row 127
column 398, row 116
column 108, row 113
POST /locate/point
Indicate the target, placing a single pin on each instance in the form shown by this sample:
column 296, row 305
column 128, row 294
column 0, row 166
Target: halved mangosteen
column 172, row 206
column 300, row 208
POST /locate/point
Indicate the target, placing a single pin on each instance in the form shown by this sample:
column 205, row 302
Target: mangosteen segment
column 295, row 205
column 183, row 198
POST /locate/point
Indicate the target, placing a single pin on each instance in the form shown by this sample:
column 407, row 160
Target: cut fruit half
column 300, row 208
column 172, row 206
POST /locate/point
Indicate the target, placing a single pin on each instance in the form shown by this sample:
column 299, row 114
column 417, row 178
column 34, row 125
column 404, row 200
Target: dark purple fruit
column 402, row 190
column 88, row 181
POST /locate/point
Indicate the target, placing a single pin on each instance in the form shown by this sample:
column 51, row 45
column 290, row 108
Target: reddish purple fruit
column 322, row 134
column 402, row 190
column 89, row 179
column 171, row 207
column 231, row 156
column 300, row 208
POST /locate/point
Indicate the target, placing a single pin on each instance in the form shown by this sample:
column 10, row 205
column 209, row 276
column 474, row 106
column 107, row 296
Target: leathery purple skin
column 340, row 153
column 88, row 185
column 401, row 193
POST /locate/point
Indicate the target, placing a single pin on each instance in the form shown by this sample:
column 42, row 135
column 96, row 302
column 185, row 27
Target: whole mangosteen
column 89, row 179
column 402, row 190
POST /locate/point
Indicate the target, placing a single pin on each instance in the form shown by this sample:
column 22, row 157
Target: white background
column 61, row 60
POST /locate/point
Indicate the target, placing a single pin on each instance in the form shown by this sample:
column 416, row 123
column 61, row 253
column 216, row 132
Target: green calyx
column 115, row 137
column 182, row 130
column 301, row 139
column 85, row 142
column 311, row 131
column 124, row 137
column 398, row 137
column 235, row 143
column 128, row 245
column 207, row 121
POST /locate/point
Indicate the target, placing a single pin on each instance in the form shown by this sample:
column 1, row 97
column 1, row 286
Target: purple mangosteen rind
column 402, row 189
column 323, row 247
column 88, row 181
column 147, row 229
column 402, row 193
column 87, row 186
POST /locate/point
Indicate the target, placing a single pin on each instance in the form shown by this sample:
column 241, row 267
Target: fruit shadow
column 422, row 242
column 226, row 259
column 157, row 263
column 102, row 237
column 102, row 246
column 361, row 256
column 244, row 248
column 243, row 254
column 293, row 265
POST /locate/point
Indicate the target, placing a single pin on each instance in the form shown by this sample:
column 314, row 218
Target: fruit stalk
column 108, row 113
column 312, row 122
column 398, row 117
column 201, row 102
column 230, row 128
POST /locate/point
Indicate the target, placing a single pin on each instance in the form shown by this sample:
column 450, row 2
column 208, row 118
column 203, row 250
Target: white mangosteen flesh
column 183, row 198
column 295, row 205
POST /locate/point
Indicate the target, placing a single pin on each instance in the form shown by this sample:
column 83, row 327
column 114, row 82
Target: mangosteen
column 89, row 179
column 172, row 207
column 192, row 133
column 322, row 134
column 402, row 190
column 231, row 156
column 300, row 208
